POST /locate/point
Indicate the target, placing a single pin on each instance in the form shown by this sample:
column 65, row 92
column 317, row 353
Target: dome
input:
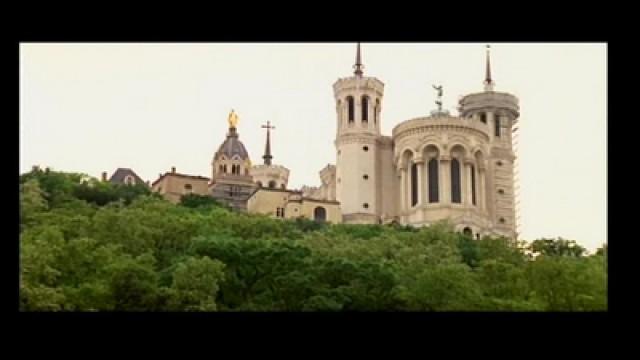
column 231, row 147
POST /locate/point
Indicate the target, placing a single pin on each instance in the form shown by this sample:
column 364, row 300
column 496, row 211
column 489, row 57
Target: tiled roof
column 179, row 175
column 232, row 146
column 121, row 173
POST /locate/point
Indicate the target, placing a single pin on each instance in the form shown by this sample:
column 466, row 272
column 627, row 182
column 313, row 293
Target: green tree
column 195, row 284
column 557, row 247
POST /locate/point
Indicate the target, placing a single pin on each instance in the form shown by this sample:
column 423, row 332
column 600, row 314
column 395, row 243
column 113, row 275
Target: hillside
column 86, row 245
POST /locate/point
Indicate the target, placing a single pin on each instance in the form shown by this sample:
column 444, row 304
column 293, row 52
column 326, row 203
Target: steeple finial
column 488, row 82
column 358, row 66
column 267, row 149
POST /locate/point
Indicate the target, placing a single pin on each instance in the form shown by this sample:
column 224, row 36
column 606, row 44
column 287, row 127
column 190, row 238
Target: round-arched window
column 365, row 176
column 319, row 214
column 272, row 184
column 467, row 231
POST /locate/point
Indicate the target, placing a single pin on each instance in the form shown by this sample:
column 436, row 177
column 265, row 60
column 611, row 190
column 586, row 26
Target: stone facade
column 270, row 176
column 432, row 168
column 289, row 204
column 172, row 185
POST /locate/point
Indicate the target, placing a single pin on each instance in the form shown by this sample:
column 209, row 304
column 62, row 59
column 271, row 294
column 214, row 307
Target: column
column 403, row 185
column 445, row 179
column 481, row 188
column 466, row 192
column 422, row 176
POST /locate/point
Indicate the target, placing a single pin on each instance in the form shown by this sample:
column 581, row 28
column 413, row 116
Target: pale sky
column 95, row 107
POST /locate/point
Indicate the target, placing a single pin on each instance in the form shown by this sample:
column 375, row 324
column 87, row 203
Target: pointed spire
column 267, row 149
column 358, row 66
column 488, row 82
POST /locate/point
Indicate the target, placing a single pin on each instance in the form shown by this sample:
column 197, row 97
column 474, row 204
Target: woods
column 87, row 245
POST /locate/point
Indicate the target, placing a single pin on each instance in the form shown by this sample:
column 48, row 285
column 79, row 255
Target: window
column 467, row 231
column 414, row 184
column 499, row 163
column 351, row 109
column 319, row 214
column 501, row 192
column 502, row 220
column 280, row 212
column 259, row 184
column 497, row 123
column 282, row 187
column 478, row 236
column 365, row 109
column 365, row 148
column 365, row 176
column 456, row 193
column 473, row 185
column 433, row 180
column 375, row 111
column 188, row 189
column 246, row 171
column 224, row 168
column 221, row 170
column 483, row 118
column 365, row 205
column 272, row 184
column 129, row 180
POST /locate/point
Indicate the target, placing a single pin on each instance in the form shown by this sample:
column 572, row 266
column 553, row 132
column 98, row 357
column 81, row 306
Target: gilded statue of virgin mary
column 233, row 119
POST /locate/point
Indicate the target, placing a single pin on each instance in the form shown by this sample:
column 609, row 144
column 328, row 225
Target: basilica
column 431, row 168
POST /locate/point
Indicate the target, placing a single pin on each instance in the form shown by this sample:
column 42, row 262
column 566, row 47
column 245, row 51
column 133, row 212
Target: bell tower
column 358, row 106
column 497, row 113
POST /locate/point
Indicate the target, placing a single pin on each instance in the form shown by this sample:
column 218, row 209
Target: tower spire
column 267, row 149
column 358, row 66
column 488, row 82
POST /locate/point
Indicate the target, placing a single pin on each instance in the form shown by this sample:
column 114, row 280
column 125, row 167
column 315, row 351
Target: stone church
column 429, row 169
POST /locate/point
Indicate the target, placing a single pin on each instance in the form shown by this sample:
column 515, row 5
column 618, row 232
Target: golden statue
column 233, row 119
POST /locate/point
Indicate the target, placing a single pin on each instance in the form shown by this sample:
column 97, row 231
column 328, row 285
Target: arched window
column 497, row 123
column 456, row 193
column 376, row 110
column 225, row 168
column 221, row 169
column 483, row 118
column 468, row 232
column 414, row 184
column 320, row 214
column 352, row 109
column 259, row 184
column 272, row 184
column 365, row 109
column 473, row 184
column 433, row 180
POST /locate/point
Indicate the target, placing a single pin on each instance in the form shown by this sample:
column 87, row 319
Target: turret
column 358, row 104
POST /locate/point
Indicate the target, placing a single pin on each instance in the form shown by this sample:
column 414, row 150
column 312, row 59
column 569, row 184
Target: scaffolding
column 516, row 179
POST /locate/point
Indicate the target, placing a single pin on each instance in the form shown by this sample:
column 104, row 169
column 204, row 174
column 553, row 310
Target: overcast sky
column 96, row 107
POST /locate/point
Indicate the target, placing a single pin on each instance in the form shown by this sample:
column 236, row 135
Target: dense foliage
column 87, row 245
